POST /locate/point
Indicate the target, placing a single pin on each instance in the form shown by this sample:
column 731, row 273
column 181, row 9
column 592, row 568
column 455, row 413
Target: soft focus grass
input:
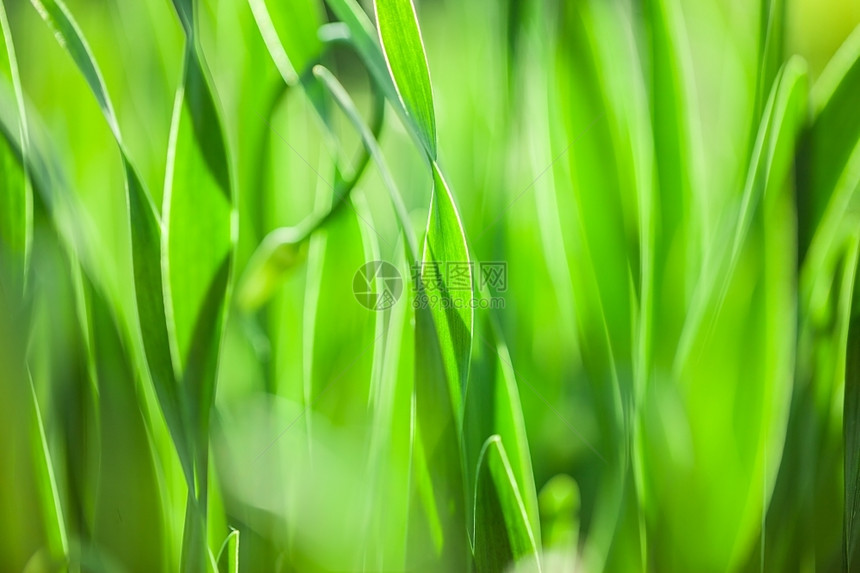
column 188, row 187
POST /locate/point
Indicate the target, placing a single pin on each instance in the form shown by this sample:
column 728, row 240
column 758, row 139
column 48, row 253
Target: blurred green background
column 676, row 319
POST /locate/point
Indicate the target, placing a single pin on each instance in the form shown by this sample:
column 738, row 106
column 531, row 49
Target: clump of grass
column 205, row 393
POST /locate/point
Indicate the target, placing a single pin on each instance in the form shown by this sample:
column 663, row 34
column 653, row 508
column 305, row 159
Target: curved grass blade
column 782, row 121
column 228, row 555
column 369, row 136
column 283, row 248
column 492, row 407
column 289, row 30
column 444, row 314
column 851, row 420
column 127, row 527
column 145, row 231
column 363, row 37
column 198, row 248
column 16, row 198
column 407, row 63
column 503, row 534
column 771, row 39
column 28, row 487
column 675, row 201
column 443, row 344
column 829, row 166
column 831, row 138
column 445, row 248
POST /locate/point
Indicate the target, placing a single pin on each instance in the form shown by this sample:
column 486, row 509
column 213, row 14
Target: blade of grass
column 145, row 232
column 675, row 201
column 783, row 118
column 443, row 330
column 228, row 555
column 831, row 138
column 365, row 41
column 127, row 527
column 197, row 254
column 285, row 247
column 492, row 407
column 403, row 48
column 503, row 534
column 828, row 172
column 369, row 137
column 16, row 200
column 289, row 29
column 29, row 490
column 851, row 420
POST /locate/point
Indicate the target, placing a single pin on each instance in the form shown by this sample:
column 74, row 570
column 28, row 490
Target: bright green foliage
column 664, row 377
column 407, row 64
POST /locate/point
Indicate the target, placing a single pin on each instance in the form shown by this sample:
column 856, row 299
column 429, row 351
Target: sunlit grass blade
column 404, row 51
column 145, row 230
column 503, row 534
column 443, row 329
column 772, row 157
column 285, row 247
column 443, row 342
column 28, row 483
column 228, row 556
column 199, row 238
column 127, row 528
column 829, row 171
column 16, row 198
column 851, row 415
column 445, row 244
column 366, row 41
column 369, row 136
column 289, row 31
column 364, row 37
column 492, row 407
column 747, row 287
column 676, row 197
column 831, row 138
column 771, row 47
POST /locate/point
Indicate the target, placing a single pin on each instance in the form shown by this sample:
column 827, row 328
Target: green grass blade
column 443, row 340
column 16, row 199
column 145, row 229
column 364, row 38
column 503, row 533
column 369, row 135
column 404, row 51
column 289, row 29
column 197, row 254
column 285, row 247
column 492, row 407
column 851, row 421
column 129, row 528
column 445, row 243
column 784, row 116
column 771, row 40
column 676, row 235
column 29, row 496
column 199, row 238
column 198, row 215
column 228, row 555
column 831, row 138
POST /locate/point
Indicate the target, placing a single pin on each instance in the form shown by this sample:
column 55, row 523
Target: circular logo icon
column 377, row 285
